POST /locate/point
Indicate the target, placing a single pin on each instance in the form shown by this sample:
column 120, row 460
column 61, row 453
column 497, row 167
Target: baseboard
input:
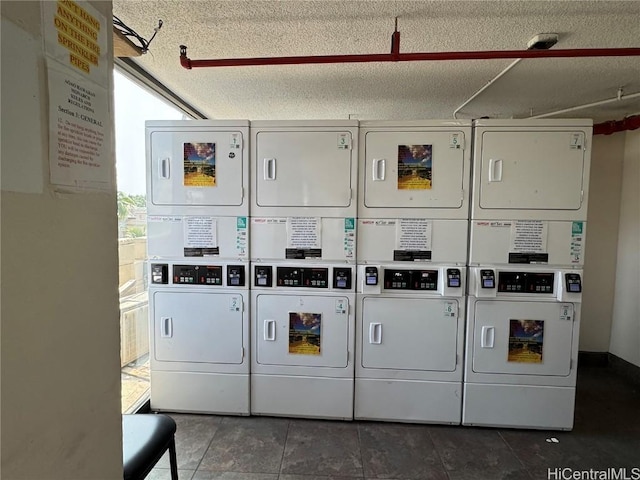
column 593, row 359
column 624, row 368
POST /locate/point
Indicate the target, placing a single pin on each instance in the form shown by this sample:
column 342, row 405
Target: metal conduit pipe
column 588, row 105
column 489, row 83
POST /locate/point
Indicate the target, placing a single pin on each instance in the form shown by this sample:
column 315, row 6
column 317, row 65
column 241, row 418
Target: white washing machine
column 199, row 350
column 522, row 347
column 412, row 249
column 303, row 250
column 528, row 227
column 302, row 335
column 198, row 189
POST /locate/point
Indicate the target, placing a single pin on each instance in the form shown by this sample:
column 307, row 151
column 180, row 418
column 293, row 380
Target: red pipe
column 396, row 56
column 613, row 126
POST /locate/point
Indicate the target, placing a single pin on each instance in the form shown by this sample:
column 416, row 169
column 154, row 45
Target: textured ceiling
column 407, row 90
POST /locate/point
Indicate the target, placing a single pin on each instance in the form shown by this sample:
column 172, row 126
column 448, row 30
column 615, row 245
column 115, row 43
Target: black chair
column 145, row 438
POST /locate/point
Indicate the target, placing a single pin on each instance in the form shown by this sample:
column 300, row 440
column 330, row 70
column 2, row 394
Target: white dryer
column 303, row 198
column 198, row 189
column 199, row 337
column 302, row 335
column 409, row 343
column 522, row 347
column 531, row 169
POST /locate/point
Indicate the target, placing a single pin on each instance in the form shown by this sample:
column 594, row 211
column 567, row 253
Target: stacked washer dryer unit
column 528, row 230
column 198, row 249
column 412, row 251
column 303, row 209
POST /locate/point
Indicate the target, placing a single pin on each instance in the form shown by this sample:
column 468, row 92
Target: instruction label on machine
column 349, row 237
column 413, row 239
column 200, row 236
column 303, row 238
column 241, row 236
column 529, row 236
column 528, row 242
column 577, row 242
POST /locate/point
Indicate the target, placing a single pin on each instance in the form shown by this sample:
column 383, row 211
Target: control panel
column 197, row 274
column 573, row 283
column 160, row 273
column 410, row 279
column 302, row 277
column 525, row 282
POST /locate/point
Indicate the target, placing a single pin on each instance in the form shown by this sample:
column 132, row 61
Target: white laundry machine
column 302, row 340
column 527, row 240
column 531, row 169
column 409, row 343
column 198, row 255
column 303, row 250
column 522, row 347
column 412, row 249
column 198, row 189
column 199, row 349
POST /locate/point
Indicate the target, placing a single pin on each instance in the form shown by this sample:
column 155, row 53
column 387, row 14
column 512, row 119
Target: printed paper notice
column 200, row 232
column 75, row 34
column 529, row 236
column 305, row 333
column 413, row 234
column 79, row 131
column 526, row 338
column 303, row 232
column 414, row 167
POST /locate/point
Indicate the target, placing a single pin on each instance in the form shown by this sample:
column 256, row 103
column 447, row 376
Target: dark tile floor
column 606, row 435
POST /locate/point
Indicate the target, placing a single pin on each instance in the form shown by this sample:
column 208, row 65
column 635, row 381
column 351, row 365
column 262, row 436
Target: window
column 134, row 104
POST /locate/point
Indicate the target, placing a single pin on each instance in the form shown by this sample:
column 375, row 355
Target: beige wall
column 625, row 332
column 602, row 241
column 60, row 329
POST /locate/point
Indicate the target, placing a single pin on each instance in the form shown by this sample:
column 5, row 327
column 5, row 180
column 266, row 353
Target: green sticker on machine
column 241, row 222
column 349, row 224
column 576, row 228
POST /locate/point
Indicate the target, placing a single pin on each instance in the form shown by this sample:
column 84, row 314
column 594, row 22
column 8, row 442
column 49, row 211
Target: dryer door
column 303, row 169
column 409, row 334
column 414, row 170
column 531, row 170
column 299, row 330
column 524, row 338
column 197, row 327
column 196, row 168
